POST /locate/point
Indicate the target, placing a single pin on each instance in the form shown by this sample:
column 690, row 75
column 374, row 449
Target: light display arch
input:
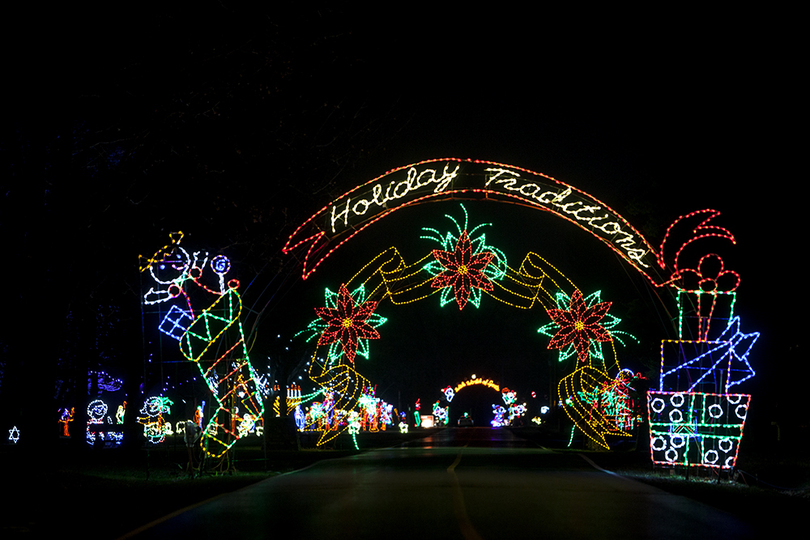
column 466, row 268
column 503, row 414
column 460, row 272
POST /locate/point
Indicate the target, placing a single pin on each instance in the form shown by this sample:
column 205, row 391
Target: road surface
column 464, row 483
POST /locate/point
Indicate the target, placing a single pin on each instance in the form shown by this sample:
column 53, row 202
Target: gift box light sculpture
column 695, row 418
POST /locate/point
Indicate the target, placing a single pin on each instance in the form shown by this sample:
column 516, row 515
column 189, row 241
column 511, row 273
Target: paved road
column 462, row 483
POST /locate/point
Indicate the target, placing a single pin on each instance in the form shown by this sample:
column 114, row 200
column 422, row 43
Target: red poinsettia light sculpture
column 579, row 325
column 463, row 270
column 348, row 323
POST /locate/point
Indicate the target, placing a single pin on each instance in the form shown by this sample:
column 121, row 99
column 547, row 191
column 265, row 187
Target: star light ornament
column 580, row 325
column 346, row 323
column 14, row 434
column 465, row 266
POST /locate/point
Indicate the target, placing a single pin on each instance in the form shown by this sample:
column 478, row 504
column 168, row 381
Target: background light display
column 65, row 418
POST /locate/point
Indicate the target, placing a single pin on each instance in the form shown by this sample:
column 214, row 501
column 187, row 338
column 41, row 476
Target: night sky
column 656, row 119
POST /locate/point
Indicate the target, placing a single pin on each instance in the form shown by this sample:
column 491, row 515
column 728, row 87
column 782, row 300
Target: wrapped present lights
column 696, row 419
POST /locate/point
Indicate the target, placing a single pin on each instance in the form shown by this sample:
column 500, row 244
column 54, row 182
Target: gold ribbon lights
column 463, row 269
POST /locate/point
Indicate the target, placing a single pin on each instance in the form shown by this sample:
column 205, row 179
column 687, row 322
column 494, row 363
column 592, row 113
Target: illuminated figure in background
column 508, row 396
column 616, row 401
column 119, row 415
column 300, row 418
column 385, row 415
column 367, row 405
column 154, row 425
column 516, row 412
column 317, row 415
column 328, row 409
column 498, row 412
column 417, row 417
column 198, row 415
column 374, row 418
column 247, row 425
column 205, row 317
column 96, row 410
column 439, row 414
column 353, row 422
column 65, row 419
